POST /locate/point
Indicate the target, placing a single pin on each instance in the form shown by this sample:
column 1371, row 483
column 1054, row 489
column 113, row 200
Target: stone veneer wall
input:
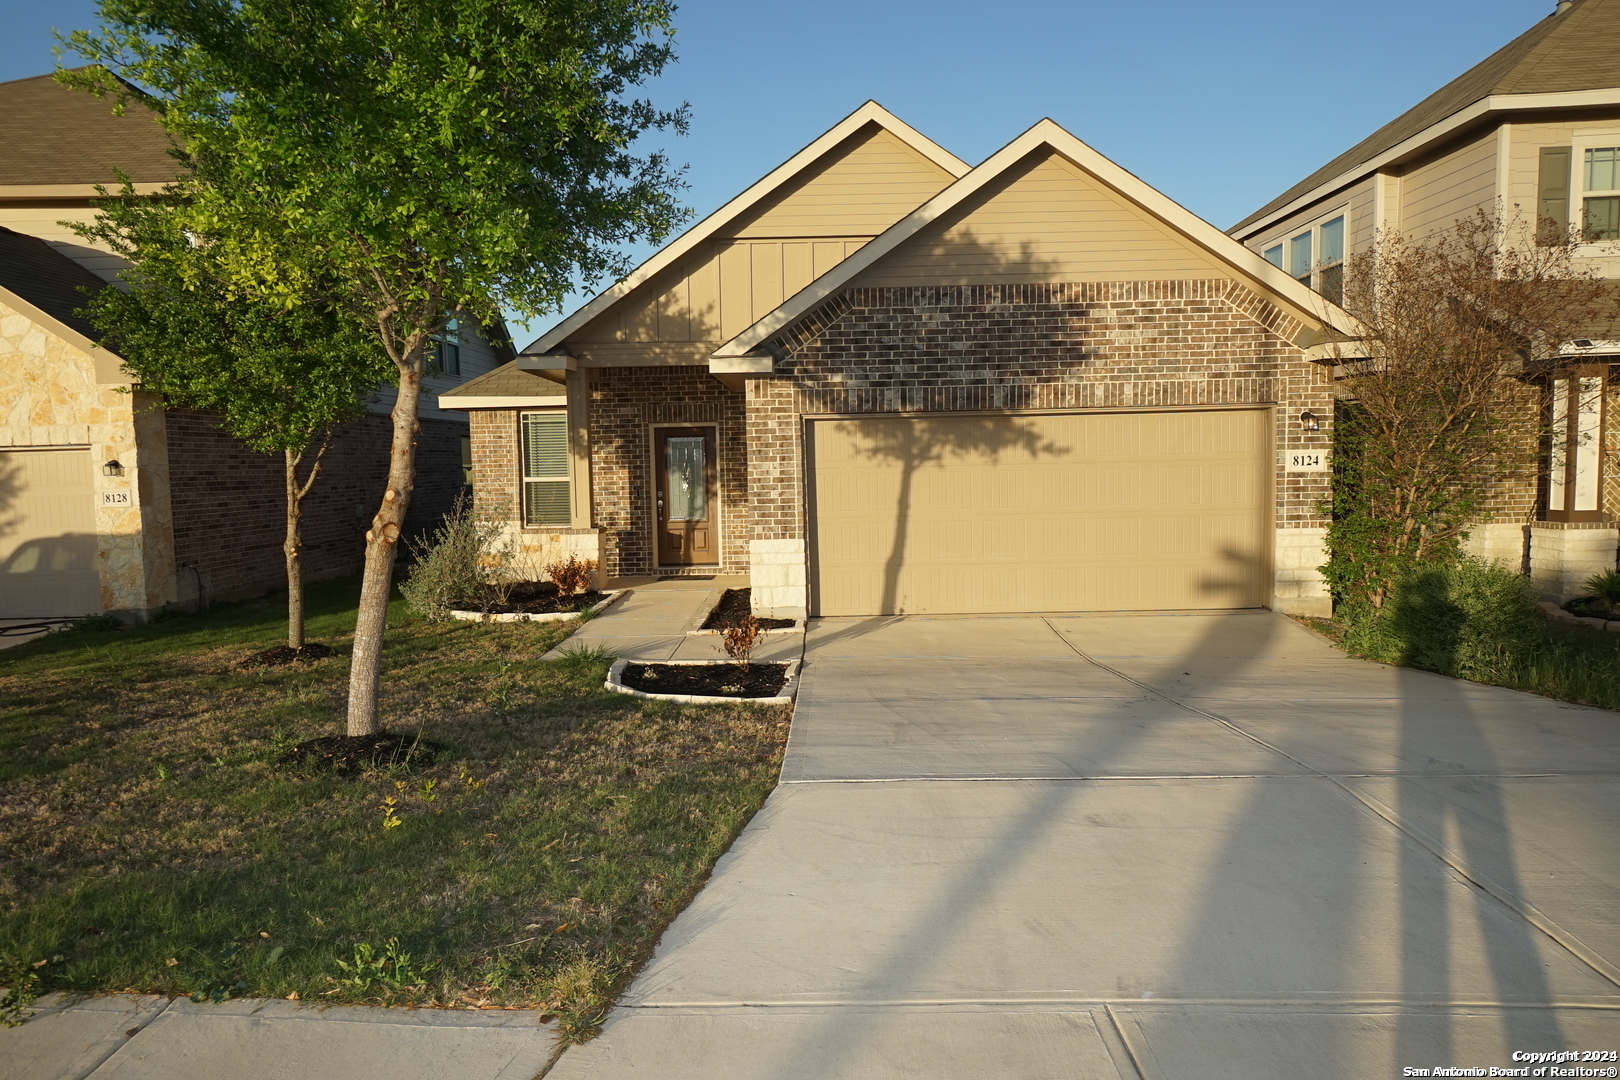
column 978, row 348
column 625, row 404
column 230, row 503
column 50, row 396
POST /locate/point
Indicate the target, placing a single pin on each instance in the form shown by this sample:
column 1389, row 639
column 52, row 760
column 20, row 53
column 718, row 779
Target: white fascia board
column 108, row 365
column 451, row 401
column 1498, row 103
column 772, row 181
column 741, row 365
column 1046, row 133
column 72, row 191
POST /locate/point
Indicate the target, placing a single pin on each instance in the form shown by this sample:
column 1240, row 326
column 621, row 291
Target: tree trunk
column 289, row 547
column 382, row 546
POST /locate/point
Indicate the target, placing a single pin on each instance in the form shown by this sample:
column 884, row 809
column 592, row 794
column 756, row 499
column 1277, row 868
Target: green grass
column 1479, row 622
column 150, row 838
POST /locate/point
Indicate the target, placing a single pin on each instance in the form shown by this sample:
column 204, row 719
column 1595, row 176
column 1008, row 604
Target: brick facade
column 977, row 348
column 229, row 503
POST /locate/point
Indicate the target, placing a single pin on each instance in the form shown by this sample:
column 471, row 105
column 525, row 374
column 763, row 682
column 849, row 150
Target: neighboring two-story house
column 1534, row 129
column 108, row 500
column 883, row 381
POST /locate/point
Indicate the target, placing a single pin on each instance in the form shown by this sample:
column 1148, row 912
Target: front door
column 684, row 479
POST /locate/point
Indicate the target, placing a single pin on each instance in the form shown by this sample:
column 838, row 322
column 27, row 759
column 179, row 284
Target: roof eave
column 1482, row 109
column 1045, row 133
column 870, row 112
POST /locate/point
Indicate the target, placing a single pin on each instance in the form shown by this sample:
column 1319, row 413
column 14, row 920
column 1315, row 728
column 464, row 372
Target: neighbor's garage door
column 47, row 534
column 1079, row 512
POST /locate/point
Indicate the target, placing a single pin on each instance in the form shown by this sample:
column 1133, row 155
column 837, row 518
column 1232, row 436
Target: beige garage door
column 47, row 534
column 1079, row 512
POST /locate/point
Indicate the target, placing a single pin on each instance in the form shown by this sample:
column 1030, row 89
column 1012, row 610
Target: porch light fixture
column 1309, row 422
column 112, row 468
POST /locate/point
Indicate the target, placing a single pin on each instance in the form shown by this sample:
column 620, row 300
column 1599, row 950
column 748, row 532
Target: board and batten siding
column 854, row 192
column 1046, row 221
column 1451, row 186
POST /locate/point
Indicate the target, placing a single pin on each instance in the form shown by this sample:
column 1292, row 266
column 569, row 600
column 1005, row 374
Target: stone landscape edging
column 796, row 628
column 790, row 684
column 1558, row 614
column 543, row 616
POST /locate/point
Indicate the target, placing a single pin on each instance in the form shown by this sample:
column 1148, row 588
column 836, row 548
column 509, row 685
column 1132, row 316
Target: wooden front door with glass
column 684, row 496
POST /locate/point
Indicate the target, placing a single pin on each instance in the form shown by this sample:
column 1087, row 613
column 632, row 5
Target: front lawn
column 152, row 839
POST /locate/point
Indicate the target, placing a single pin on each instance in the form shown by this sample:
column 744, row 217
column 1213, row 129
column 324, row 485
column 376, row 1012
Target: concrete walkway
column 1167, row 848
column 653, row 620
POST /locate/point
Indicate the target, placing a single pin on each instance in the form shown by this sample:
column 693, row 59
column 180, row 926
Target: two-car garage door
column 1072, row 512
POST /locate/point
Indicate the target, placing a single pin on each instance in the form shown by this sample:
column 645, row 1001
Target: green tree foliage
column 1460, row 326
column 280, row 377
column 439, row 156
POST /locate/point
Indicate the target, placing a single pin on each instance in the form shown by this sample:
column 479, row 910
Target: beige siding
column 1451, row 186
column 1100, row 512
column 860, row 187
column 719, row 291
column 42, row 221
column 1356, row 203
column 1045, row 221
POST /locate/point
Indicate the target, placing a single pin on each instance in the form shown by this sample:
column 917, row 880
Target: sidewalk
column 653, row 621
column 154, row 1038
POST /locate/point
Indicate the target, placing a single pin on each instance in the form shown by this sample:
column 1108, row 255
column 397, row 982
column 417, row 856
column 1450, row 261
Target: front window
column 1600, row 205
column 546, row 495
column 1314, row 257
column 446, row 355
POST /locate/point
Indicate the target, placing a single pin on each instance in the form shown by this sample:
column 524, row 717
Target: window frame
column 1283, row 244
column 444, row 359
column 525, row 479
column 1579, row 144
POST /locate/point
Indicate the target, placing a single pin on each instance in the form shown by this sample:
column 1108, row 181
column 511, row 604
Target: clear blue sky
column 1220, row 105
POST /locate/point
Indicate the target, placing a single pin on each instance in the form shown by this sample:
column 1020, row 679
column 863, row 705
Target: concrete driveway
column 1167, row 847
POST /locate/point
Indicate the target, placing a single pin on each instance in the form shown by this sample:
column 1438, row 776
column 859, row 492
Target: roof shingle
column 52, row 134
column 46, row 278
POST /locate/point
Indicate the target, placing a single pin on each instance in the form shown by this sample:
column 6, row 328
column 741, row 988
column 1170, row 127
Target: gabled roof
column 774, row 181
column 53, row 135
column 1049, row 135
column 52, row 282
column 1573, row 50
column 505, row 387
column 44, row 285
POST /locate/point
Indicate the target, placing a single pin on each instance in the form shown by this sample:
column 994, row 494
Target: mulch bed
column 353, row 753
column 286, row 654
column 707, row 680
column 1591, row 607
column 540, row 598
column 733, row 608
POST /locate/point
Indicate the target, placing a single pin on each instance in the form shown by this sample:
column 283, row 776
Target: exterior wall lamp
column 112, row 468
column 1309, row 422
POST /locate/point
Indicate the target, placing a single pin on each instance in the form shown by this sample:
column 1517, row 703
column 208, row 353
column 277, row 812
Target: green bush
column 1474, row 620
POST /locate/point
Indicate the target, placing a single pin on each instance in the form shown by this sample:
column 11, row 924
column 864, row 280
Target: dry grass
column 151, row 839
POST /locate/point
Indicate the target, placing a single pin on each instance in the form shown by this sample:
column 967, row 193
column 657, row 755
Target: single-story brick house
column 882, row 381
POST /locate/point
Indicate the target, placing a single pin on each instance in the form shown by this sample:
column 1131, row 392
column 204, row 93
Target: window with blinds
column 545, row 469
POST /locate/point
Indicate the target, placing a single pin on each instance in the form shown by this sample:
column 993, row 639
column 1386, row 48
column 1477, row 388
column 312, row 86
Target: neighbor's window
column 445, row 359
column 1315, row 257
column 545, row 469
column 1600, row 207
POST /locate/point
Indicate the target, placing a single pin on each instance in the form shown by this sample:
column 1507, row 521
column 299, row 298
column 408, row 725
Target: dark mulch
column 733, row 608
column 710, row 680
column 541, row 598
column 353, row 753
column 1591, row 607
column 286, row 654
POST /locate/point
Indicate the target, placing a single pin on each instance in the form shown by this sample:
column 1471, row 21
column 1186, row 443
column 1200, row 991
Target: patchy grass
column 151, row 838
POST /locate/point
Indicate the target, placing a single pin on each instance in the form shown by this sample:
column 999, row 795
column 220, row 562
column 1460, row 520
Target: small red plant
column 573, row 575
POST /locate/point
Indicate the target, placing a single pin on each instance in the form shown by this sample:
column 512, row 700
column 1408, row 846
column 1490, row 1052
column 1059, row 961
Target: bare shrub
column 1459, row 330
column 741, row 638
column 573, row 575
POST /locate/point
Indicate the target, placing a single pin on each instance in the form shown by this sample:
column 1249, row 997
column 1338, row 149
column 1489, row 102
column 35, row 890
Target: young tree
column 440, row 155
column 1458, row 327
column 281, row 378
